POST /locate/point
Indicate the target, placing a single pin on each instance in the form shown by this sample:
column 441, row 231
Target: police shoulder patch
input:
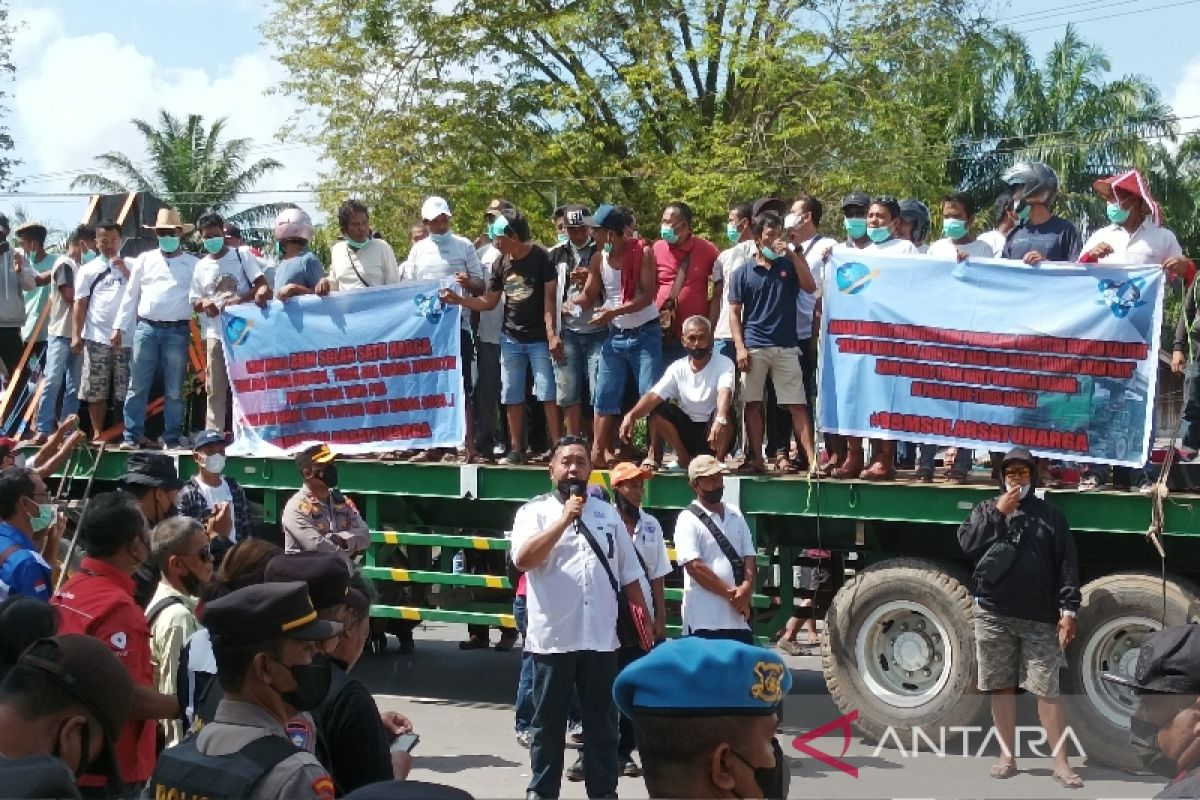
column 767, row 686
column 323, row 787
column 300, row 732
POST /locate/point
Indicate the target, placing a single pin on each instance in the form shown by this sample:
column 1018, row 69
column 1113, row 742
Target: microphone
column 577, row 490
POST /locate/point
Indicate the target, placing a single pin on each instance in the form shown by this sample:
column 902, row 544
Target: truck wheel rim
column 905, row 654
column 1113, row 647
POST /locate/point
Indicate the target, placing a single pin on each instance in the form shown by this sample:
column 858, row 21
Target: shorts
column 694, row 434
column 627, row 353
column 783, row 365
column 467, row 357
column 105, row 372
column 515, row 358
column 1015, row 652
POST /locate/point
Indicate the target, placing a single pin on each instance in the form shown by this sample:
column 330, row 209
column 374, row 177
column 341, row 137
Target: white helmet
column 293, row 223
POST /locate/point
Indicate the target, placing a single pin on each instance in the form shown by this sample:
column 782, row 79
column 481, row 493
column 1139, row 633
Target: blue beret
column 694, row 677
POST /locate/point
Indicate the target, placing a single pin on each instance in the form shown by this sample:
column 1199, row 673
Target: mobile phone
column 405, row 742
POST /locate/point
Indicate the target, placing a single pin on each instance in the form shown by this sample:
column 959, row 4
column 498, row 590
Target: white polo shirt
column 651, row 545
column 703, row 610
column 373, row 265
column 430, row 261
column 1149, row 244
column 158, row 289
column 696, row 392
column 727, row 265
column 104, row 288
column 570, row 601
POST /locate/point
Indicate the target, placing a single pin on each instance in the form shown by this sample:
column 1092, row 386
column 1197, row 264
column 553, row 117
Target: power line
column 1090, row 6
column 1111, row 16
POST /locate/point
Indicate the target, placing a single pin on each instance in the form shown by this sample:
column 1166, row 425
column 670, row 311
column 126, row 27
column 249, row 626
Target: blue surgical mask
column 1116, row 214
column 1023, row 213
column 44, row 518
column 562, row 237
column 168, row 244
column 879, row 235
column 88, row 255
column 441, row 238
column 856, row 227
column 732, row 233
column 668, row 234
column 213, row 244
column 357, row 245
column 954, row 228
column 769, row 254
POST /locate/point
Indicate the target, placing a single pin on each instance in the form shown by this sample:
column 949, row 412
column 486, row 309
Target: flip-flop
column 1068, row 780
column 750, row 468
column 1004, row 771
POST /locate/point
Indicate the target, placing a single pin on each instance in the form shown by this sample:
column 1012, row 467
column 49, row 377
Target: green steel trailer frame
column 898, row 645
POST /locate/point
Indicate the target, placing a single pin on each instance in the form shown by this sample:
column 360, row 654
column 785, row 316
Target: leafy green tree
column 192, row 168
column 7, row 70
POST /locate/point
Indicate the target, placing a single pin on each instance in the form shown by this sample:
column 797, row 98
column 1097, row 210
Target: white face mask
column 1024, row 489
column 215, row 463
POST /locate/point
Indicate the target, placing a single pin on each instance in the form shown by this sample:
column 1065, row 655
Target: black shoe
column 628, row 767
column 575, row 771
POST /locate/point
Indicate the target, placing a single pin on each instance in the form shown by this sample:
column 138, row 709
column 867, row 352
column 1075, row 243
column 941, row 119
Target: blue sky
column 207, row 56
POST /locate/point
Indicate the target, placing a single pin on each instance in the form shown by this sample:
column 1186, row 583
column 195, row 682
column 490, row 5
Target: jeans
column 155, row 346
column 524, row 704
column 554, row 675
column 515, row 357
column 583, row 361
column 962, row 459
column 1189, row 423
column 487, row 396
column 62, row 370
column 633, row 352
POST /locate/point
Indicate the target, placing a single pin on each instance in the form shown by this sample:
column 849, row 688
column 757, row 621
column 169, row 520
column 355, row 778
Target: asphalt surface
column 461, row 704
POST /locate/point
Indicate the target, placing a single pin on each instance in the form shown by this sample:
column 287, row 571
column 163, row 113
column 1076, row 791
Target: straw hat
column 168, row 218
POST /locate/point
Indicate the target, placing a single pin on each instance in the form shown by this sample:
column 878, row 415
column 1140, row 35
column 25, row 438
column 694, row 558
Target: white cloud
column 1185, row 96
column 75, row 95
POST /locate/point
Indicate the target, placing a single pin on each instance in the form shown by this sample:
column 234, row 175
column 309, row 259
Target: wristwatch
column 721, row 421
column 1066, row 612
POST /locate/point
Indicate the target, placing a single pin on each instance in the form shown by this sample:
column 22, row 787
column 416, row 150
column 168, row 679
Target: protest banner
column 367, row 371
column 990, row 354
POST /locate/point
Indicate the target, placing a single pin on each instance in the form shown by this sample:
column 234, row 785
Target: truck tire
column 1117, row 612
column 900, row 650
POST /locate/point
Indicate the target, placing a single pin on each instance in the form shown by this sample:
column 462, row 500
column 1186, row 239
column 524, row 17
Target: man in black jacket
column 1026, row 598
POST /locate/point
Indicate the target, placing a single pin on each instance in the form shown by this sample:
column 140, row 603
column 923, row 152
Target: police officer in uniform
column 264, row 638
column 319, row 517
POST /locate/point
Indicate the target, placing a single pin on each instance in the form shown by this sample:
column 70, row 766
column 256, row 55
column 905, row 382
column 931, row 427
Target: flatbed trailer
column 898, row 646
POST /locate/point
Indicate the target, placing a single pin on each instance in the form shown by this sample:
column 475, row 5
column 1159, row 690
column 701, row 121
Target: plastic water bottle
column 460, row 562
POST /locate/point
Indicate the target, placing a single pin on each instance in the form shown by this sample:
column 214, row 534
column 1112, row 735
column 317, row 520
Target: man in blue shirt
column 762, row 318
column 300, row 272
column 1041, row 235
column 27, row 513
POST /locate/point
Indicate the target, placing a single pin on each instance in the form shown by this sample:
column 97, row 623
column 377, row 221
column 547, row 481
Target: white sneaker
column 1089, row 483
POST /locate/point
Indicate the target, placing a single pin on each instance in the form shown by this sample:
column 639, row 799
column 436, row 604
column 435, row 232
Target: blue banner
column 367, row 371
column 990, row 354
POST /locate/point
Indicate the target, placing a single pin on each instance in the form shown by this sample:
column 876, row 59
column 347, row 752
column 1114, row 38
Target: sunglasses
column 1016, row 472
column 205, row 553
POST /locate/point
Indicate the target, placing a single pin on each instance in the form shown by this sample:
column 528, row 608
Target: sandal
column 751, row 468
column 426, row 457
column 475, row 643
column 1068, row 780
column 783, row 465
column 650, row 464
column 1003, row 771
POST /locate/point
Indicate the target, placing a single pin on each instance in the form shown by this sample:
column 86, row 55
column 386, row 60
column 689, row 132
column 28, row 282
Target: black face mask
column 623, row 505
column 569, row 487
column 191, row 584
column 773, row 781
column 713, row 495
column 700, row 353
column 1143, row 737
column 172, row 510
column 312, row 683
column 329, row 476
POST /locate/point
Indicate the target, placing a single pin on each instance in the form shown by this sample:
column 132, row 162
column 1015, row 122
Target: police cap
column 327, row 575
column 694, row 677
column 267, row 611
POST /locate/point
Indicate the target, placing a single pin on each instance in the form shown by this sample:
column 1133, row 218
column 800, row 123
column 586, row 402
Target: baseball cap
column 434, row 207
column 608, row 217
column 87, row 670
column 627, row 471
column 326, row 574
column 231, row 230
column 769, row 204
column 498, row 205
column 316, row 454
column 574, row 215
column 267, row 611
column 693, row 677
column 1168, row 663
column 8, row 445
column 205, row 438
column 702, row 466
column 856, row 199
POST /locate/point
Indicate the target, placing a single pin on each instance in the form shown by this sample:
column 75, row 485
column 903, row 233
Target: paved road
column 461, row 703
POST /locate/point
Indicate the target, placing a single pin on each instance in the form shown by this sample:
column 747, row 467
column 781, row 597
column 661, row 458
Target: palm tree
column 1064, row 112
column 189, row 168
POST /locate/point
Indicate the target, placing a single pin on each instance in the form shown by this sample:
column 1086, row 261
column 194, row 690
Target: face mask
column 168, row 244
column 712, row 495
column 668, row 234
column 330, row 476
column 954, row 228
column 1143, row 738
column 772, row 781
column 441, row 238
column 88, row 255
column 214, row 244
column 312, row 683
column 769, row 254
column 624, row 505
column 608, row 247
column 215, row 463
column 1024, row 489
column 569, row 487
column 879, row 235
column 44, row 518
column 355, row 245
column 856, row 228
column 1116, row 214
column 699, row 353
column 85, row 749
column 1023, row 213
column 279, row 250
column 562, row 238
column 732, row 234
column 497, row 227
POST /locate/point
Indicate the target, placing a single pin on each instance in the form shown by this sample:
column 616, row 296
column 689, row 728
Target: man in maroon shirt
column 98, row 601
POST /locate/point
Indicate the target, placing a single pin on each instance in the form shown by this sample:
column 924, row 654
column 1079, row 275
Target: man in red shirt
column 98, row 601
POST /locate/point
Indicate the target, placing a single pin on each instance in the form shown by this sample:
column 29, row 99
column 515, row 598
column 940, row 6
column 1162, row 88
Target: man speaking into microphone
column 576, row 557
